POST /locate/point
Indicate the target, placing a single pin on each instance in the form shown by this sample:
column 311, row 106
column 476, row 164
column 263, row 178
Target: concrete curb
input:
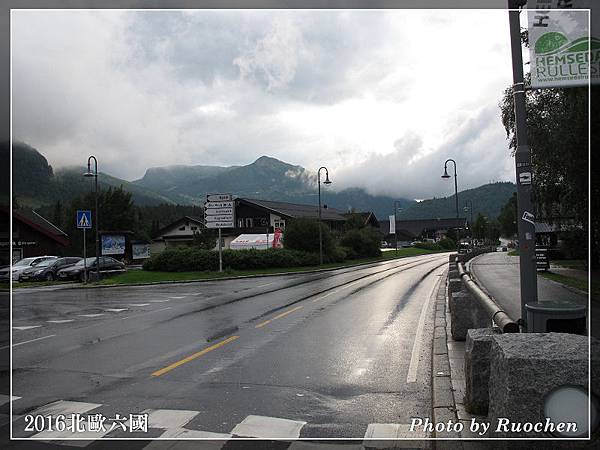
column 239, row 277
column 443, row 402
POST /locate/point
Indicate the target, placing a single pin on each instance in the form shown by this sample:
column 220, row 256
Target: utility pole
column 525, row 206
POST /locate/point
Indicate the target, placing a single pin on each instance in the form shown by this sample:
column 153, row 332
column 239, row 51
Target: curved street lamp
column 446, row 176
column 94, row 174
column 327, row 181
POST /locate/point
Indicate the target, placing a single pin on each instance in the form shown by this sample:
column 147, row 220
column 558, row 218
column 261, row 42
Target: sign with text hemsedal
column 562, row 51
column 219, row 211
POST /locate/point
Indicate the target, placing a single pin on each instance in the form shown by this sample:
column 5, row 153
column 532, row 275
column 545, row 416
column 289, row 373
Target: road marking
column 60, row 321
column 411, row 377
column 138, row 304
column 158, row 301
column 304, row 445
column 264, row 285
column 268, row 428
column 115, row 309
column 5, row 399
column 27, row 342
column 69, row 410
column 279, row 316
column 64, row 407
column 175, row 298
column 391, row 431
column 26, row 328
column 218, row 440
column 90, row 315
column 194, row 356
column 169, row 418
column 146, row 312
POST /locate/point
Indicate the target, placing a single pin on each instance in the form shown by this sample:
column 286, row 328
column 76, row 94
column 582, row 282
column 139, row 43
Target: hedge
column 190, row 259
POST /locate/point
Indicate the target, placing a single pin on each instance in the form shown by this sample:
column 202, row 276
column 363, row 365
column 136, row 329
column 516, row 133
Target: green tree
column 557, row 128
column 507, row 219
column 480, row 227
column 205, row 239
column 364, row 241
column 303, row 234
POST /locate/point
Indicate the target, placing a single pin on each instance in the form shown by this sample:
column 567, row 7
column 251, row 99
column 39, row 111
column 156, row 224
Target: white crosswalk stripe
column 178, row 432
column 6, row 398
column 268, row 427
column 60, row 321
column 68, row 409
column 29, row 327
column 115, row 309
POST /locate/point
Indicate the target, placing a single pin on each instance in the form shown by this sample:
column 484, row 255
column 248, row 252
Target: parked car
column 21, row 265
column 46, row 270
column 77, row 271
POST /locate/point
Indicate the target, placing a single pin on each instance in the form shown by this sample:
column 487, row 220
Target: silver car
column 17, row 268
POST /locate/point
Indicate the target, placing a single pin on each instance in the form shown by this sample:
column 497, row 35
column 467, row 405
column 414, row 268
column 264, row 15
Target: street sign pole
column 526, row 217
column 220, row 253
column 84, row 260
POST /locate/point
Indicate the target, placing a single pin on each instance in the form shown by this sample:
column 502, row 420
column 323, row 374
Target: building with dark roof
column 422, row 228
column 32, row 235
column 252, row 216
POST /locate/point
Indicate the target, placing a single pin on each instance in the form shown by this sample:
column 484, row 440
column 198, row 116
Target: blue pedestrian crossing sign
column 84, row 219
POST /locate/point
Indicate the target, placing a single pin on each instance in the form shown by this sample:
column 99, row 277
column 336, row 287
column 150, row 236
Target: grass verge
column 576, row 283
column 143, row 276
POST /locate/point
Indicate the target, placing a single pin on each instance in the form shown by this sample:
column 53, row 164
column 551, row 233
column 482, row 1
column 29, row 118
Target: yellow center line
column 164, row 370
column 278, row 316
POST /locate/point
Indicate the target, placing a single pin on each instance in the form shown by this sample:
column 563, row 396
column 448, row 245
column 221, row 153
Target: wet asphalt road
column 498, row 274
column 334, row 351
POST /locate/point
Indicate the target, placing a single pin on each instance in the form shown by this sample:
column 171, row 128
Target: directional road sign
column 210, row 205
column 219, row 212
column 219, row 198
column 219, row 225
column 84, row 219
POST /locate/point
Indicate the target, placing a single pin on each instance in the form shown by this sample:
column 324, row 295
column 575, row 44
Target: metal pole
column 97, row 224
column 320, row 232
column 455, row 189
column 84, row 260
column 220, row 253
column 395, row 223
column 525, row 205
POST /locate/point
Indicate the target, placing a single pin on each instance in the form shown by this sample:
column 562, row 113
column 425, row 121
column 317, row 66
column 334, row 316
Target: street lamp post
column 395, row 222
column 320, row 224
column 94, row 174
column 470, row 209
column 446, row 176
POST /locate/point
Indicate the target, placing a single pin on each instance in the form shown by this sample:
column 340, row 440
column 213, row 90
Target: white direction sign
column 225, row 218
column 219, row 225
column 210, row 205
column 219, row 198
column 219, row 212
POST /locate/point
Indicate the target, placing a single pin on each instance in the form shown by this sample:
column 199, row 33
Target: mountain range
column 35, row 184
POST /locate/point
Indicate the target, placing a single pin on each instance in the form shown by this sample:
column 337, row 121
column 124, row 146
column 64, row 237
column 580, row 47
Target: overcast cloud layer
column 382, row 98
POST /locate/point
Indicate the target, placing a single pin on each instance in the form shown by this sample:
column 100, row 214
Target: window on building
column 249, row 222
column 182, row 228
column 279, row 224
column 194, row 228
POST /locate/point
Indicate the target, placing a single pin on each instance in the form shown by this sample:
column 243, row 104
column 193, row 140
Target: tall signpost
column 526, row 217
column 562, row 55
column 84, row 222
column 219, row 213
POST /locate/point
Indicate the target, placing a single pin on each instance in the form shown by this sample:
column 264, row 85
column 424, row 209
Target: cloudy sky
column 382, row 98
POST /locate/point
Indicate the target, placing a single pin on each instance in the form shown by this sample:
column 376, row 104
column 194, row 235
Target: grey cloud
column 478, row 146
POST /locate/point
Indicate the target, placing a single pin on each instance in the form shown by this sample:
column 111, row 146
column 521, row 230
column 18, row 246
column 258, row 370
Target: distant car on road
column 18, row 267
column 77, row 271
column 46, row 270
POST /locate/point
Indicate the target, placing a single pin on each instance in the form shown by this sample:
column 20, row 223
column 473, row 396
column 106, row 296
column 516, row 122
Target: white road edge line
column 27, row 342
column 411, row 377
